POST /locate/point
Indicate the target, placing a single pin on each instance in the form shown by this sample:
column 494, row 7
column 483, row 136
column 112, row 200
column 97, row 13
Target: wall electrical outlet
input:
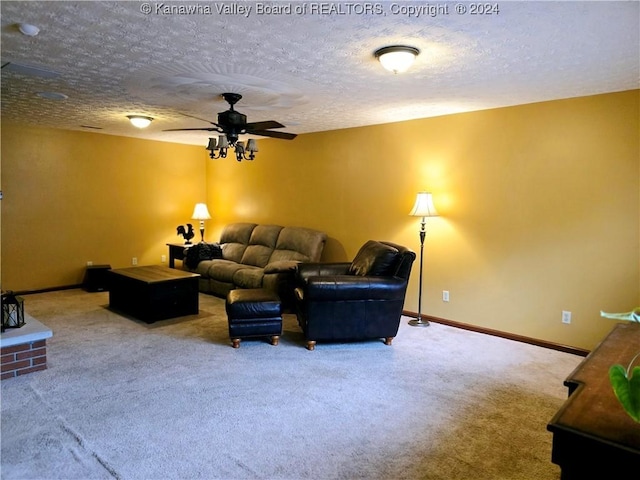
column 445, row 295
column 566, row 316
column 134, row 261
column 163, row 259
column 89, row 263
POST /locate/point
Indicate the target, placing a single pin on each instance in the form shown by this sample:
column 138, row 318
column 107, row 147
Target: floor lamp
column 423, row 208
column 200, row 212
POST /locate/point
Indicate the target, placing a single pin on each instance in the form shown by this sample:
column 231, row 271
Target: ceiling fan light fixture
column 246, row 152
column 397, row 58
column 218, row 149
column 140, row 121
column 252, row 145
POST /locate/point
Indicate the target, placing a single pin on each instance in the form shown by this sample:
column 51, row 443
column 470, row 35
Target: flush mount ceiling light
column 28, row 29
column 140, row 121
column 397, row 58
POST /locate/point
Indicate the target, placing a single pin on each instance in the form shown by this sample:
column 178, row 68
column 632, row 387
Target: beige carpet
column 172, row 400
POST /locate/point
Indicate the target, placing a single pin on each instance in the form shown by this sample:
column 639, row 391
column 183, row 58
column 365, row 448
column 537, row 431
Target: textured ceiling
column 311, row 71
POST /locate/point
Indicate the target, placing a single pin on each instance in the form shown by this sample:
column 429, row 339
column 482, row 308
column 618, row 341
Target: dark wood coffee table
column 593, row 437
column 152, row 293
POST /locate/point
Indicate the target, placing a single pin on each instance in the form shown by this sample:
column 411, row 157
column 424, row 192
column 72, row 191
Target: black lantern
column 12, row 311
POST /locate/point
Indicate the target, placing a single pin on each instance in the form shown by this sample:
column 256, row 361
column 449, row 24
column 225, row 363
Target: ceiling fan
column 231, row 124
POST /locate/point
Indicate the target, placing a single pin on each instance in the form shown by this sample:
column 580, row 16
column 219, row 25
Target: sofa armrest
column 351, row 288
column 307, row 270
column 282, row 266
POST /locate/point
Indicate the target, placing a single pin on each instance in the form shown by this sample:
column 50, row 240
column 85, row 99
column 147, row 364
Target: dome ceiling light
column 28, row 29
column 397, row 58
column 140, row 121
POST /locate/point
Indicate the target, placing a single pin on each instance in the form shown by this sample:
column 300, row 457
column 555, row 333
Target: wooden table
column 176, row 252
column 593, row 437
column 153, row 292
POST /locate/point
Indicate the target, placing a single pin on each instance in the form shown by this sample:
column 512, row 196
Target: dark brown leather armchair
column 354, row 301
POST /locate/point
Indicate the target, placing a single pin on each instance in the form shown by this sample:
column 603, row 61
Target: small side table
column 95, row 278
column 176, row 252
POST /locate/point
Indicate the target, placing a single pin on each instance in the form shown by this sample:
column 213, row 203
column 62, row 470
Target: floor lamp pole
column 419, row 322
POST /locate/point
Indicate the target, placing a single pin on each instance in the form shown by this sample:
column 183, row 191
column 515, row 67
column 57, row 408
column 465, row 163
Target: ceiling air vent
column 28, row 70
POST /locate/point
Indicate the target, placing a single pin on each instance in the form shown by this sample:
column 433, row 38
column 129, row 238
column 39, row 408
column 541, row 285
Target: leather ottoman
column 253, row 313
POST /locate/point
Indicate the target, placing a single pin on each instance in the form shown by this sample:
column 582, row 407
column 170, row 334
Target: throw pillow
column 374, row 258
column 209, row 251
column 202, row 251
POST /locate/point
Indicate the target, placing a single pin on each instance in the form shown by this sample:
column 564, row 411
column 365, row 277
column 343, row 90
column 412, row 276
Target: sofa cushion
column 374, row 258
column 219, row 269
column 234, row 240
column 261, row 244
column 298, row 244
column 248, row 277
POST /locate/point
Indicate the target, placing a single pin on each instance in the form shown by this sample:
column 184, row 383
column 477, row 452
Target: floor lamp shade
column 201, row 212
column 422, row 208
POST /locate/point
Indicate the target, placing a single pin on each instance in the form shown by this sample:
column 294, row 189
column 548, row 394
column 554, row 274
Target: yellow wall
column 539, row 205
column 73, row 197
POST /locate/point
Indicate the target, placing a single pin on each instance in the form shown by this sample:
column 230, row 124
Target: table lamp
column 200, row 212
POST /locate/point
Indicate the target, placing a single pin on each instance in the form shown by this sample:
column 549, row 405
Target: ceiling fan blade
column 263, row 125
column 198, row 118
column 274, row 134
column 232, row 123
column 210, row 129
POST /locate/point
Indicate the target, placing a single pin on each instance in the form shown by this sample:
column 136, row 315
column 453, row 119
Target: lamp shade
column 423, row 206
column 201, row 212
column 252, row 145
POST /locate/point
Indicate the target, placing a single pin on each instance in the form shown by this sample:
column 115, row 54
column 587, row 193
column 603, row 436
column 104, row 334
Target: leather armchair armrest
column 353, row 288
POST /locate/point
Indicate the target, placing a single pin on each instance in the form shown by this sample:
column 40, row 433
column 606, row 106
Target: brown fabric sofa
column 259, row 256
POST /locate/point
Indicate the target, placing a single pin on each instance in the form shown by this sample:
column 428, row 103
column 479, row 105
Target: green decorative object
column 632, row 316
column 626, row 382
column 626, row 386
